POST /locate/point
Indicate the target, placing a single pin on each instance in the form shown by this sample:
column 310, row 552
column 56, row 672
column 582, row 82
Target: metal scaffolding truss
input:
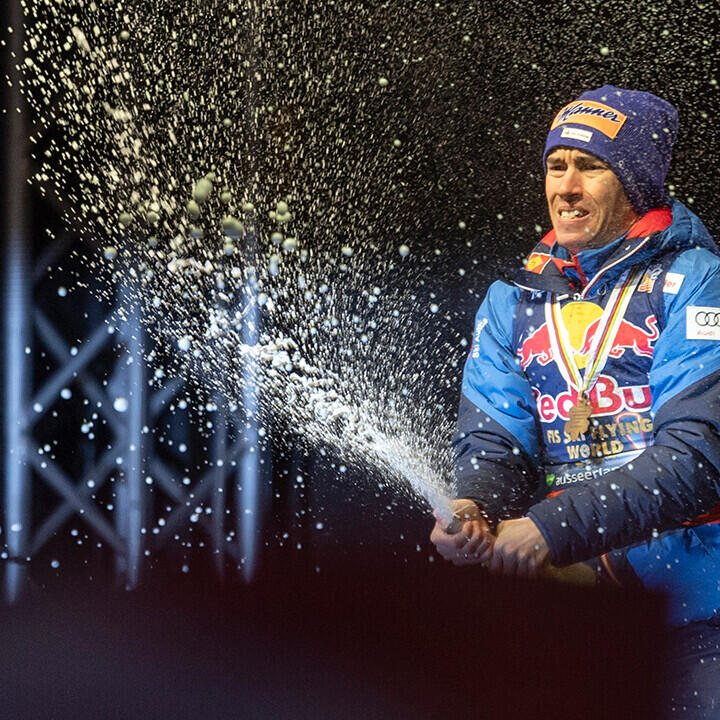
column 130, row 461
column 224, row 500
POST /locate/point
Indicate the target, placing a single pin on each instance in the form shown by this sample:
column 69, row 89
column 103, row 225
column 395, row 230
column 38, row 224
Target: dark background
column 383, row 628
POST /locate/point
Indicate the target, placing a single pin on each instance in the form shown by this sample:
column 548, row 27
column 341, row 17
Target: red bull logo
column 628, row 337
column 606, row 398
column 536, row 347
column 581, row 319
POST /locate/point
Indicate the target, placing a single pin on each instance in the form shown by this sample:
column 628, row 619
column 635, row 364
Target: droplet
column 232, row 227
column 120, row 404
column 202, row 190
column 193, row 210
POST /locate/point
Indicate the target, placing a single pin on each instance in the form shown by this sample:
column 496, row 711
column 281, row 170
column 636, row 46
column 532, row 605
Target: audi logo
column 705, row 319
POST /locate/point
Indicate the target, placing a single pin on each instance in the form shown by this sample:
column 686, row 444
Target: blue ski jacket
column 637, row 494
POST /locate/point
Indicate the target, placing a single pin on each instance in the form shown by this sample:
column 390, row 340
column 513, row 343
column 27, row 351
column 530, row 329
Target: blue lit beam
column 17, row 325
column 248, row 475
column 134, row 471
column 217, row 501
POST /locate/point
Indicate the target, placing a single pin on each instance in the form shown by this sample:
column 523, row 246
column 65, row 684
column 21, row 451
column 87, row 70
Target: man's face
column 588, row 206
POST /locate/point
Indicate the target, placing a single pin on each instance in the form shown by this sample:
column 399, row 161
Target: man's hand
column 519, row 549
column 472, row 545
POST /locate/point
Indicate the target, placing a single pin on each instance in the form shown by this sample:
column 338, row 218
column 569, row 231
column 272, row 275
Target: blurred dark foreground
column 370, row 637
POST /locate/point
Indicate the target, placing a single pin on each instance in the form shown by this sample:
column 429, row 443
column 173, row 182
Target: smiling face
column 588, row 206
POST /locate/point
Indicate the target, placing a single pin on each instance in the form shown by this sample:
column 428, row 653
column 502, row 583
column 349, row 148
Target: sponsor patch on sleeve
column 536, row 262
column 702, row 323
column 475, row 349
column 673, row 281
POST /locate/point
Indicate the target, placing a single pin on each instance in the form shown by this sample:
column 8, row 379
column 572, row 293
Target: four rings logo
column 707, row 319
column 702, row 323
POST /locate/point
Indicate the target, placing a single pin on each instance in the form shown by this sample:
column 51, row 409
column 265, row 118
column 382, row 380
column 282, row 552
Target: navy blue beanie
column 631, row 130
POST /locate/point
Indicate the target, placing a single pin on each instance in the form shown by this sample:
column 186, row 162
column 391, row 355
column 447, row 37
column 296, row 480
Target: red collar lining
column 653, row 221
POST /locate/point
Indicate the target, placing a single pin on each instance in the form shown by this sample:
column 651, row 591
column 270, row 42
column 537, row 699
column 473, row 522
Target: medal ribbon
column 603, row 338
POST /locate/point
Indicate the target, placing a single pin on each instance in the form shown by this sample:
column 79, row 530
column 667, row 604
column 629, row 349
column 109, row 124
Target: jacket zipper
column 592, row 282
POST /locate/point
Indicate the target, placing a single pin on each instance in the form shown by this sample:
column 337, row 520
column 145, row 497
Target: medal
column 579, row 421
column 594, row 354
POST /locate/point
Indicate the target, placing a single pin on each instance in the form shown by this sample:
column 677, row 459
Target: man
column 589, row 424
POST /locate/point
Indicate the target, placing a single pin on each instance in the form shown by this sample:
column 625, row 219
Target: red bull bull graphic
column 576, row 317
column 607, row 397
column 627, row 337
column 538, row 347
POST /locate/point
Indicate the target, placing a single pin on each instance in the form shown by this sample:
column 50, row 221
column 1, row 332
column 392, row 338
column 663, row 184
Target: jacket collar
column 551, row 268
